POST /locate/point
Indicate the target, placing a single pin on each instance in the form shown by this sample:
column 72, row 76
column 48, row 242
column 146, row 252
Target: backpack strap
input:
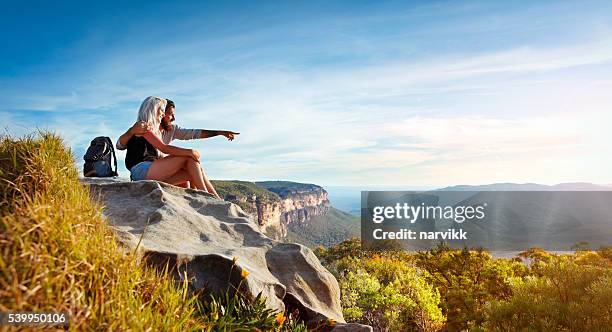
column 112, row 148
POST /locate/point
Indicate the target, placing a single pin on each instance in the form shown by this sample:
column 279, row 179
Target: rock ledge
column 212, row 242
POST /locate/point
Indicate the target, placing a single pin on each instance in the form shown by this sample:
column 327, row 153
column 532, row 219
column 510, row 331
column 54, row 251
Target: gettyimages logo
column 494, row 220
column 412, row 213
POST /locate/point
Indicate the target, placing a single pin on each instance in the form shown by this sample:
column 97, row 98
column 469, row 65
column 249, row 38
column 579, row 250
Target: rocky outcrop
column 217, row 246
column 293, row 202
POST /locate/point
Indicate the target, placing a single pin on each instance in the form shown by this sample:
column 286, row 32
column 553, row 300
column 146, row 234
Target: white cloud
column 376, row 123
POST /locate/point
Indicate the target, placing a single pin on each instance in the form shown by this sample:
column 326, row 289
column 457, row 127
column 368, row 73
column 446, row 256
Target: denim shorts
column 139, row 171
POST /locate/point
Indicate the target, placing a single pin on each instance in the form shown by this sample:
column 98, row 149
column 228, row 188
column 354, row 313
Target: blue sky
column 332, row 92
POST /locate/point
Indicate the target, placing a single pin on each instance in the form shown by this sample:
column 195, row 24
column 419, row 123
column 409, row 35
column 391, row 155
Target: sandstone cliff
column 276, row 204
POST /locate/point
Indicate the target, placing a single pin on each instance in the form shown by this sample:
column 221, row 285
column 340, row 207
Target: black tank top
column 139, row 150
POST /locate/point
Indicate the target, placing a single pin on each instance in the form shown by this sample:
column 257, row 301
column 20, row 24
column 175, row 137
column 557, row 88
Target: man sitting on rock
column 171, row 131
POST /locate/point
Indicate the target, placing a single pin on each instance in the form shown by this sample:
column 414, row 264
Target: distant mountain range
column 570, row 186
column 553, row 219
column 520, row 221
column 348, row 199
column 519, row 216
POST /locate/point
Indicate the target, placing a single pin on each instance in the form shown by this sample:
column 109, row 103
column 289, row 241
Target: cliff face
column 299, row 202
column 279, row 204
column 301, row 206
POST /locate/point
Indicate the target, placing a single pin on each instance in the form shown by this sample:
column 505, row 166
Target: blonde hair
column 148, row 112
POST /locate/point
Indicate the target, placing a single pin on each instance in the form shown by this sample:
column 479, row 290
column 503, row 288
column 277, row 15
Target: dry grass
column 56, row 253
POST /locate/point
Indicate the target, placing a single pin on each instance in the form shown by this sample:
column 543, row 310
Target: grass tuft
column 57, row 254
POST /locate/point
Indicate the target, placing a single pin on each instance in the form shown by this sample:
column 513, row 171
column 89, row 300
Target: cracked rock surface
column 214, row 243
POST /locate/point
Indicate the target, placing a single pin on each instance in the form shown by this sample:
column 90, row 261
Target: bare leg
column 208, row 184
column 180, row 179
column 169, row 169
column 174, row 169
column 184, row 184
column 162, row 169
column 193, row 168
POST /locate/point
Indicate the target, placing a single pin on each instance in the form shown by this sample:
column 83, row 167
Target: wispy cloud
column 345, row 105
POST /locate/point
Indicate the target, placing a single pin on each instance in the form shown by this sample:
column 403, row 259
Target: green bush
column 383, row 289
column 391, row 295
column 468, row 290
column 564, row 293
column 467, row 280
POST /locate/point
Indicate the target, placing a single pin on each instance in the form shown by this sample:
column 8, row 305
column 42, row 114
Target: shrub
column 388, row 294
column 467, row 280
column 565, row 293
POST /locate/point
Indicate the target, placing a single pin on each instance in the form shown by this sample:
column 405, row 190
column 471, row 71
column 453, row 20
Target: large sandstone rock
column 212, row 242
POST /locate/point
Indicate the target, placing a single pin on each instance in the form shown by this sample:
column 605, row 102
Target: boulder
column 217, row 246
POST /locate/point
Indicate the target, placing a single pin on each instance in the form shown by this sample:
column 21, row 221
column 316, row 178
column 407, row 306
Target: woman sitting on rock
column 173, row 165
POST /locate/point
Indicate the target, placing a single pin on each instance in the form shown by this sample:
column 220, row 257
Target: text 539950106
column 34, row 318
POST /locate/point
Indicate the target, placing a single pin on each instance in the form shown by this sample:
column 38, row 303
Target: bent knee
column 185, row 160
column 192, row 161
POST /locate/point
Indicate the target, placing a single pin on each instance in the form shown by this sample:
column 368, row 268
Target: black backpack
column 98, row 158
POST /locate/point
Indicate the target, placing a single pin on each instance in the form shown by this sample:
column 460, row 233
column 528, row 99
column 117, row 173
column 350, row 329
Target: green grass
column 57, row 254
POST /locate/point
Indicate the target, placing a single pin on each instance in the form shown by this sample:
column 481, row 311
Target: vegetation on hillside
column 328, row 230
column 244, row 194
column 244, row 189
column 57, row 254
column 285, row 188
column 446, row 289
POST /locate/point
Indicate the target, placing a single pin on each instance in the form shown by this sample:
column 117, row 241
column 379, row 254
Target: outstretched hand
column 228, row 134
